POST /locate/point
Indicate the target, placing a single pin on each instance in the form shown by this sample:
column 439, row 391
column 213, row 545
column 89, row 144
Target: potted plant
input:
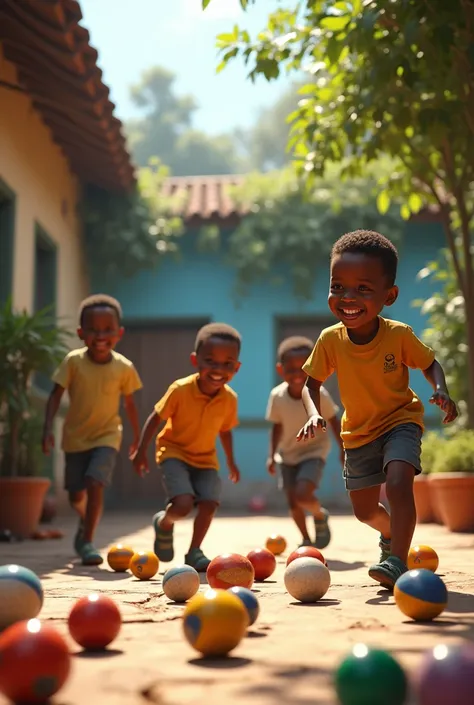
column 29, row 344
column 427, row 510
column 452, row 481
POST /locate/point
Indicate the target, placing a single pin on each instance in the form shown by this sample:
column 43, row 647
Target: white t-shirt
column 290, row 413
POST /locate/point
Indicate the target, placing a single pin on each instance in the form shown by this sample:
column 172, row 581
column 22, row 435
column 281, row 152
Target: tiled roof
column 57, row 68
column 205, row 198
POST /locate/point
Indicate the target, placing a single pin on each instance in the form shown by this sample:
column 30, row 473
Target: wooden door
column 161, row 354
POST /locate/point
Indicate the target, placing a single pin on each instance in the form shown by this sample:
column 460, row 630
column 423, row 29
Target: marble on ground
column 291, row 652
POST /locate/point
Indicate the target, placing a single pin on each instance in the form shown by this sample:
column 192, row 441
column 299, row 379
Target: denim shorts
column 366, row 466
column 180, row 478
column 96, row 463
column 310, row 470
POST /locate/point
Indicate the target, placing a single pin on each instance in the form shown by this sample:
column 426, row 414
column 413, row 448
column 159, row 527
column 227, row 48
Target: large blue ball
column 249, row 600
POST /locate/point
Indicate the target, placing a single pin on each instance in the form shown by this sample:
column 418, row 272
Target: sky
column 133, row 35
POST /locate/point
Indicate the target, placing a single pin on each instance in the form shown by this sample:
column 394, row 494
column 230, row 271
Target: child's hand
column 140, row 464
column 47, row 442
column 271, row 466
column 446, row 404
column 234, row 473
column 133, row 449
column 310, row 428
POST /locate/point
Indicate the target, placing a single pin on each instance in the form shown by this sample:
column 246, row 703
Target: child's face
column 100, row 331
column 217, row 361
column 358, row 289
column 290, row 370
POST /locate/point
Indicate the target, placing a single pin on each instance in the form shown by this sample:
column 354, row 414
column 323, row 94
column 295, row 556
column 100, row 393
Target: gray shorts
column 366, row 466
column 97, row 463
column 180, row 478
column 310, row 470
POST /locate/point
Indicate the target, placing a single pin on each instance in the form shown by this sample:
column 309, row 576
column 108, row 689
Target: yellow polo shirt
column 93, row 417
column 193, row 422
column 373, row 379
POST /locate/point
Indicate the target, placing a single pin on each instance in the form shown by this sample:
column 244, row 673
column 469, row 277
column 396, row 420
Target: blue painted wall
column 201, row 285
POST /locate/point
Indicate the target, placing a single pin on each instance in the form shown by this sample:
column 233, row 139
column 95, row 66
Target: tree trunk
column 470, row 360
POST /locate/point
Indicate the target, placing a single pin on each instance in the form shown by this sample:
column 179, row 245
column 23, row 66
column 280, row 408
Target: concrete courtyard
column 290, row 653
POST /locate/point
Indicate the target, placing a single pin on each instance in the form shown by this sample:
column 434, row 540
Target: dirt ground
column 290, row 653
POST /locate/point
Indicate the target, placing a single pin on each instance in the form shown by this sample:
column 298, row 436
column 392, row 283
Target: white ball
column 307, row 579
column 180, row 583
column 21, row 594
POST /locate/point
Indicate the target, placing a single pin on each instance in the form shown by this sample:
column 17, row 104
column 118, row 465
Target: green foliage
column 432, row 446
column 457, row 454
column 29, row 344
column 127, row 233
column 291, row 229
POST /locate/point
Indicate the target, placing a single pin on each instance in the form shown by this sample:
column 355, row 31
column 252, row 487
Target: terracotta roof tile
column 205, row 198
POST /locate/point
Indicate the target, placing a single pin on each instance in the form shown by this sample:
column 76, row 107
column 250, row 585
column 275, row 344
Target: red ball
column 230, row 570
column 306, row 552
column 34, row 662
column 263, row 561
column 94, row 621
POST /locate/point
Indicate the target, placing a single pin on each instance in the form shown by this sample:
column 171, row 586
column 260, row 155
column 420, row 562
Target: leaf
column 335, row 23
column 415, row 202
column 383, row 202
column 205, row 3
column 405, row 212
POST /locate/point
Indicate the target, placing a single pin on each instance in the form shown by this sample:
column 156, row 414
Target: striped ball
column 180, row 583
column 420, row 594
column 21, row 594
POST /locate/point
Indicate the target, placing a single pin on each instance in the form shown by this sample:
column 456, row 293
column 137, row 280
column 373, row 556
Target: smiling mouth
column 217, row 378
column 351, row 313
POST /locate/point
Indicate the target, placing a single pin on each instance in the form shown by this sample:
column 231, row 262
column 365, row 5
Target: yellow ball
column 215, row 622
column 144, row 565
column 423, row 557
column 276, row 544
column 119, row 557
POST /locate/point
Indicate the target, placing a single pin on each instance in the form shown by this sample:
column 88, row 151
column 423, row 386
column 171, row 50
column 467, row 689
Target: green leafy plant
column 457, row 454
column 432, row 446
column 29, row 344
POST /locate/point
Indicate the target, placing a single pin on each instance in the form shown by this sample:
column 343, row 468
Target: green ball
column 370, row 677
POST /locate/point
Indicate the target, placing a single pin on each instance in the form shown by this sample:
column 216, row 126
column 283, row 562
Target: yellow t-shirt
column 94, row 390
column 373, row 379
column 193, row 422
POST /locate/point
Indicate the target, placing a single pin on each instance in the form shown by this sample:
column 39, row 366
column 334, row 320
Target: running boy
column 300, row 466
column 96, row 377
column 382, row 425
column 196, row 410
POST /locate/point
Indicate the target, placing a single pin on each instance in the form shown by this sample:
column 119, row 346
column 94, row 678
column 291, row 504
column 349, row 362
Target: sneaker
column 385, row 548
column 323, row 532
column 79, row 538
column 388, row 571
column 305, row 542
column 163, row 545
column 90, row 555
column 197, row 560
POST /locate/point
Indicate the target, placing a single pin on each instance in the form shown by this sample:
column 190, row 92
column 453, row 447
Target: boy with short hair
column 96, row 377
column 196, row 409
column 300, row 466
column 382, row 425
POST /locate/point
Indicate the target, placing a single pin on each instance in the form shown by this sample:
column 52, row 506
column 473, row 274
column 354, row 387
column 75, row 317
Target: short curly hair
column 295, row 343
column 99, row 301
column 217, row 330
column 372, row 244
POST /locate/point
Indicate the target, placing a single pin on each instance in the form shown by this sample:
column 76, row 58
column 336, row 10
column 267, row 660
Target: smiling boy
column 382, row 425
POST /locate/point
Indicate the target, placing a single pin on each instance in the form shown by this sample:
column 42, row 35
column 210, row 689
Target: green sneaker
column 385, row 549
column 388, row 571
column 323, row 532
column 90, row 555
column 163, row 545
column 197, row 560
column 79, row 538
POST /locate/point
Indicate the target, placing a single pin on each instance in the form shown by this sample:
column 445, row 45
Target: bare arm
column 435, row 376
column 132, row 413
column 335, row 424
column 52, row 406
column 149, row 431
column 227, row 441
column 275, row 438
column 312, row 404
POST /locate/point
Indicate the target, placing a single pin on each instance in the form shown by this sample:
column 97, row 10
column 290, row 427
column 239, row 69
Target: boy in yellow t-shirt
column 96, row 377
column 382, row 425
column 196, row 410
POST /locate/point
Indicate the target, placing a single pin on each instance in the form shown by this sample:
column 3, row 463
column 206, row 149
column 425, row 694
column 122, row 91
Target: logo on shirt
column 389, row 364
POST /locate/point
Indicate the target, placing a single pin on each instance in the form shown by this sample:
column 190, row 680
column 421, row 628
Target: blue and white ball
column 21, row 595
column 249, row 600
column 180, row 583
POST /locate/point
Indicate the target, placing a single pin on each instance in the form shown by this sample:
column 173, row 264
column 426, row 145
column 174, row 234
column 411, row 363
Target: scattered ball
column 119, row 557
column 370, row 677
column 229, row 570
column 420, row 594
column 34, row 662
column 144, row 565
column 276, row 544
column 263, row 562
column 306, row 552
column 21, row 595
column 181, row 583
column 249, row 600
column 215, row 622
column 257, row 504
column 446, row 676
column 94, row 622
column 423, row 557
column 307, row 579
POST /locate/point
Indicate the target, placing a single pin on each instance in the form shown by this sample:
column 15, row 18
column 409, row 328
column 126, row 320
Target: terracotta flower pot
column 21, row 504
column 454, row 494
column 423, row 503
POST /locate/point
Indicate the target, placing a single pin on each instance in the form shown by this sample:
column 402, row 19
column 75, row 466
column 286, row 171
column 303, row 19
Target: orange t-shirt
column 373, row 379
column 193, row 422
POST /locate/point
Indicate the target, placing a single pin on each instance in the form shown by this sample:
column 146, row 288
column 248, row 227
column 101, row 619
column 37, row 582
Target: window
column 7, row 235
column 45, row 285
